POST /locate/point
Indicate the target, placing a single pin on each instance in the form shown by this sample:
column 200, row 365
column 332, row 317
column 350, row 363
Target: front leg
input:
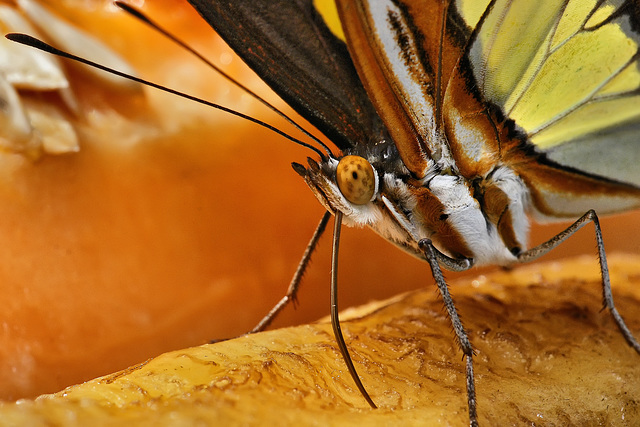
column 431, row 254
column 294, row 285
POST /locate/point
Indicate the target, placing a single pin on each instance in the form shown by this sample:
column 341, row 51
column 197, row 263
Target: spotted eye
column 356, row 179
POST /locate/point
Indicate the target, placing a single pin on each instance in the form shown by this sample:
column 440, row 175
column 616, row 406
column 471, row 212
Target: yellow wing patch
column 561, row 71
column 471, row 10
column 329, row 12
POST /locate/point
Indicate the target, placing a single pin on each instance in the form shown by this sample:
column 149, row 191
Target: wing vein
column 547, row 55
column 590, row 98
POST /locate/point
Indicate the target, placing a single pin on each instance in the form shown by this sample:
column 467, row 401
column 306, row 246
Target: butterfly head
column 369, row 187
column 350, row 185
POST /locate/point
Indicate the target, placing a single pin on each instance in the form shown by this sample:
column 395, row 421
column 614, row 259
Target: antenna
column 39, row 44
column 136, row 13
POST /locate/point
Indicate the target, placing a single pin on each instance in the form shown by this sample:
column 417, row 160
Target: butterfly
column 455, row 122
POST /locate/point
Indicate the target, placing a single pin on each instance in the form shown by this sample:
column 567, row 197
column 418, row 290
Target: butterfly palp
column 356, row 179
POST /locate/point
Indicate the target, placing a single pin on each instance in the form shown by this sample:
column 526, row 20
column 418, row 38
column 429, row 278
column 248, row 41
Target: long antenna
column 136, row 13
column 39, row 44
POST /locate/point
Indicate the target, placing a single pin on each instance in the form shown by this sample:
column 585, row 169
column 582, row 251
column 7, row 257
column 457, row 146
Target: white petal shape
column 58, row 135
column 25, row 67
column 79, row 43
column 17, row 133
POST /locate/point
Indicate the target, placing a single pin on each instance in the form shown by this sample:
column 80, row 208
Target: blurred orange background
column 174, row 224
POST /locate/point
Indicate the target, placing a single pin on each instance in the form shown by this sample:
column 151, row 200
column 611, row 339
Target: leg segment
column 297, row 277
column 607, row 296
column 461, row 335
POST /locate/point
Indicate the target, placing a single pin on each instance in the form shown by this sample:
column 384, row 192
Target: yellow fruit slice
column 546, row 354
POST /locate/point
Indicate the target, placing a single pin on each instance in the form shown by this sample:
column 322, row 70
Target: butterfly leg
column 432, row 257
column 542, row 249
column 297, row 277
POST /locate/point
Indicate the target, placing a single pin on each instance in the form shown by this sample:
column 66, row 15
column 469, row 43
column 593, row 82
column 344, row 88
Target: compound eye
column 356, row 179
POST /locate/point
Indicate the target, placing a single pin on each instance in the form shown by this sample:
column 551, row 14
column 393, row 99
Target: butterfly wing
column 568, row 75
column 288, row 44
column 550, row 90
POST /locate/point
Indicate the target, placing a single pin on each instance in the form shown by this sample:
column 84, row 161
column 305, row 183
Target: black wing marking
column 289, row 46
